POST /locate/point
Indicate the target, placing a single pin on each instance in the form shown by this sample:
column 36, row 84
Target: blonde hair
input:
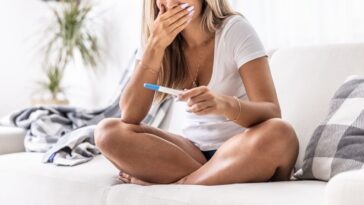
column 174, row 69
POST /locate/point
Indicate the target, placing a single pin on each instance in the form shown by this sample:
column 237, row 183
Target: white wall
column 280, row 23
column 284, row 23
column 21, row 27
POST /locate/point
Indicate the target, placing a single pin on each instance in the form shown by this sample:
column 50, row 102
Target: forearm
column 136, row 101
column 251, row 113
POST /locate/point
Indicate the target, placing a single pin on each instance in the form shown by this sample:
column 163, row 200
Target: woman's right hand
column 170, row 23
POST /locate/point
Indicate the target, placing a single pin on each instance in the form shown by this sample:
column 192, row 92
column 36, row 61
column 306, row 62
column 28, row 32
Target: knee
column 275, row 136
column 106, row 132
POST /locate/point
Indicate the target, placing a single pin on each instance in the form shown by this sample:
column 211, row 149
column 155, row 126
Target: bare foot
column 181, row 181
column 126, row 178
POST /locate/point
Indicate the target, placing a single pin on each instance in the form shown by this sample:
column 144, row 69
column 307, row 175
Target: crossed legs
column 267, row 151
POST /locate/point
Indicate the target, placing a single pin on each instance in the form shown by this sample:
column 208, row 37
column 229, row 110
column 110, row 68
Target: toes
column 125, row 180
column 139, row 181
column 125, row 175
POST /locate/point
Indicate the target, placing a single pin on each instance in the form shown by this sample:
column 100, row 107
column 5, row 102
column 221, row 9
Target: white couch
column 306, row 78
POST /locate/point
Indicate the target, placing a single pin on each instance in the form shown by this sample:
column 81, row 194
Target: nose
column 171, row 3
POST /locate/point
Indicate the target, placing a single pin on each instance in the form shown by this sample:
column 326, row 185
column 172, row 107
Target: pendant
column 195, row 84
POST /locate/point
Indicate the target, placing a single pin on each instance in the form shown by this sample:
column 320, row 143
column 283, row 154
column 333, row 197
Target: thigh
column 260, row 153
column 141, row 151
column 185, row 144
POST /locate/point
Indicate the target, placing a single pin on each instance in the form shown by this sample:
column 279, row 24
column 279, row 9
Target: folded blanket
column 65, row 133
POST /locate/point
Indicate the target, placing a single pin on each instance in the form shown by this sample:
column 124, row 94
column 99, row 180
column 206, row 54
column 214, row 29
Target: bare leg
column 263, row 152
column 147, row 153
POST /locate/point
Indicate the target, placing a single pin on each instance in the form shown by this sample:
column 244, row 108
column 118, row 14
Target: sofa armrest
column 346, row 188
column 11, row 140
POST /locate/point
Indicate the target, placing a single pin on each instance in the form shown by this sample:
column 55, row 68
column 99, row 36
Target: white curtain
column 283, row 23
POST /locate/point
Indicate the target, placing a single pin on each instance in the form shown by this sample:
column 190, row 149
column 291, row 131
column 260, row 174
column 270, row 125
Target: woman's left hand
column 202, row 101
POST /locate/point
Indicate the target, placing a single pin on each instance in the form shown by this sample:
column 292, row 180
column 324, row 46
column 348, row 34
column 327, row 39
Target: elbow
column 124, row 114
column 130, row 120
column 127, row 116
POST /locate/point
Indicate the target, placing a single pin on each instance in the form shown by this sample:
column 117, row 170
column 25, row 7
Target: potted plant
column 68, row 37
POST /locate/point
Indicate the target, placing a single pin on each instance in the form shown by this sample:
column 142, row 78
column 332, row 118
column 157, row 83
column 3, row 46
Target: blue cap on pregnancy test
column 151, row 86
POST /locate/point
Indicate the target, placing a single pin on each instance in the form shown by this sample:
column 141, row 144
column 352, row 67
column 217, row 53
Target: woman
column 234, row 132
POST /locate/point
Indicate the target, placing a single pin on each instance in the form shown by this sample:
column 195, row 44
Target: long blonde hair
column 174, row 68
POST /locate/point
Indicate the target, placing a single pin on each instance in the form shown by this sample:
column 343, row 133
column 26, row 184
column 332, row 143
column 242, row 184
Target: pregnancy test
column 163, row 89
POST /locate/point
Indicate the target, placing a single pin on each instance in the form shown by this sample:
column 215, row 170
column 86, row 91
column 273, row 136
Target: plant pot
column 46, row 98
column 38, row 102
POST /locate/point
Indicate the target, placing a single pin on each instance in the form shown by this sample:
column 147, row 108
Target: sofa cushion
column 11, row 140
column 346, row 188
column 306, row 78
column 282, row 193
column 337, row 143
column 25, row 180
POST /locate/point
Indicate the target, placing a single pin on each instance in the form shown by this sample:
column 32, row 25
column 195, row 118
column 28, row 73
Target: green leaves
column 70, row 35
column 73, row 34
column 54, row 76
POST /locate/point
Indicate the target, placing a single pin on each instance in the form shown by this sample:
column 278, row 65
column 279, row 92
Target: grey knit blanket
column 65, row 134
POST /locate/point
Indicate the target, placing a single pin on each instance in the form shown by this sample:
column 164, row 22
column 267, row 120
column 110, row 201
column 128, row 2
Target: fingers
column 180, row 24
column 199, row 107
column 205, row 111
column 171, row 22
column 185, row 13
column 198, row 99
column 173, row 19
column 193, row 92
column 180, row 28
column 170, row 13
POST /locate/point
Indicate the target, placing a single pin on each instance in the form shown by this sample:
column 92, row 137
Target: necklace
column 195, row 82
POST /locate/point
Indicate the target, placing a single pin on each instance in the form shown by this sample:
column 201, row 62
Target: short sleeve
column 243, row 41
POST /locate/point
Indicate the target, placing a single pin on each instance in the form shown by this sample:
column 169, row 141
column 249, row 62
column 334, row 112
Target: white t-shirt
column 236, row 43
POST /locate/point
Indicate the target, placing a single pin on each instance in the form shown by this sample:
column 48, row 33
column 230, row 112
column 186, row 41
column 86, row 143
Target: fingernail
column 191, row 8
column 191, row 13
column 185, row 5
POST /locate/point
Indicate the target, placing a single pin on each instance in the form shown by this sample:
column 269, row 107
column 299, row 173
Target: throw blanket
column 65, row 133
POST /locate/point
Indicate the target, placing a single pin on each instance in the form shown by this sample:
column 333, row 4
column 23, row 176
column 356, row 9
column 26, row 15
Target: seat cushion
column 25, row 180
column 346, row 188
column 11, row 140
column 282, row 193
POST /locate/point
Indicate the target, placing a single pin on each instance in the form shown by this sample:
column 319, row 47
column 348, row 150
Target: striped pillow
column 337, row 145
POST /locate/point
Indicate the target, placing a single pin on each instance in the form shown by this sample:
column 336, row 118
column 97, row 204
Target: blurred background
column 24, row 32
